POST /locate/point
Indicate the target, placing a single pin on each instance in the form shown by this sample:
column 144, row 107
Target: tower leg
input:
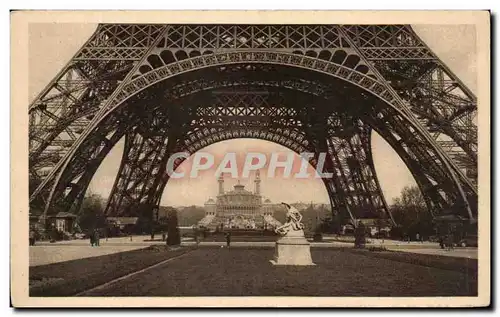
column 140, row 165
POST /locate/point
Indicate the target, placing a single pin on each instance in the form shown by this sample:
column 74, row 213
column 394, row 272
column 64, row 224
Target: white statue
column 293, row 221
column 292, row 248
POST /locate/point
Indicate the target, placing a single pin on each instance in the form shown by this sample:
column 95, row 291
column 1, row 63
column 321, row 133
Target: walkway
column 470, row 253
column 46, row 253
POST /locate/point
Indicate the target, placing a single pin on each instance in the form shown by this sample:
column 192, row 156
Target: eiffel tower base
column 293, row 249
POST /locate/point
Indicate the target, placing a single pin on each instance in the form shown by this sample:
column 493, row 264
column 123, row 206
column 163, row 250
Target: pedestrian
column 32, row 237
column 96, row 237
column 417, row 237
column 228, row 239
column 449, row 241
column 92, row 238
column 441, row 242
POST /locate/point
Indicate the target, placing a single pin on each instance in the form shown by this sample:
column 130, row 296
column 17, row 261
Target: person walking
column 228, row 239
column 96, row 237
column 32, row 237
column 92, row 237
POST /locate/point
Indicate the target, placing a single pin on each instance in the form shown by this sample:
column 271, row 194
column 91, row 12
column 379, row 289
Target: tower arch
column 349, row 70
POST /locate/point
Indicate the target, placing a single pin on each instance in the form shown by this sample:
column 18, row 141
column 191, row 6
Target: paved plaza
column 45, row 253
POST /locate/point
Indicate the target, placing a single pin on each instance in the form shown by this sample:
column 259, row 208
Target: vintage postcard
column 250, row 159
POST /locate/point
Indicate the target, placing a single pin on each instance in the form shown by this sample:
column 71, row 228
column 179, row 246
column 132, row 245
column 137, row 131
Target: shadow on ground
column 247, row 272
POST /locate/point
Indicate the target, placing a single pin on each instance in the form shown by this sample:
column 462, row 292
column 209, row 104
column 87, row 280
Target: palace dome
column 210, row 201
column 238, row 208
column 239, row 190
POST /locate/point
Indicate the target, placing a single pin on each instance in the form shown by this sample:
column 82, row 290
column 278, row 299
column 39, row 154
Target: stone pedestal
column 292, row 249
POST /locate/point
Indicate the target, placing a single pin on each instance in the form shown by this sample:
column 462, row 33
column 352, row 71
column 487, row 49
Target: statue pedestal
column 292, row 249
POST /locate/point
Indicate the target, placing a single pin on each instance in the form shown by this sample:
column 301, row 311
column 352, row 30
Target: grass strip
column 72, row 277
column 457, row 264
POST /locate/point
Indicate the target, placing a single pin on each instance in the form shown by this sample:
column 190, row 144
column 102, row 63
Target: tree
column 188, row 216
column 91, row 213
column 411, row 214
column 331, row 224
column 173, row 235
column 146, row 220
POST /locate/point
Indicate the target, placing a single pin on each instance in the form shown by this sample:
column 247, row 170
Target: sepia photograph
column 250, row 158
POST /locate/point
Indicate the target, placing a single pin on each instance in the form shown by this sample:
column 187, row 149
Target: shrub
column 173, row 235
column 318, row 237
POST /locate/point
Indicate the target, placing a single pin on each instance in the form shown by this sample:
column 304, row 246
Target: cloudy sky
column 53, row 45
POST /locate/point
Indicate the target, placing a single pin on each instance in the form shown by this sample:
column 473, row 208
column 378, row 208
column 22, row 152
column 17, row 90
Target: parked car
column 468, row 241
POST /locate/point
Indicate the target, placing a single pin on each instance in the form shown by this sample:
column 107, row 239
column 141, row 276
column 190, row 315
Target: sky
column 52, row 45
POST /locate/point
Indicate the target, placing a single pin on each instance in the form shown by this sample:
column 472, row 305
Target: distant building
column 122, row 223
column 373, row 227
column 239, row 209
column 63, row 221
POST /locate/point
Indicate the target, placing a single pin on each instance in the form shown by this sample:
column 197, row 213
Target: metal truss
column 382, row 77
column 439, row 100
column 145, row 149
column 443, row 196
column 353, row 157
column 344, row 71
column 64, row 109
column 140, row 163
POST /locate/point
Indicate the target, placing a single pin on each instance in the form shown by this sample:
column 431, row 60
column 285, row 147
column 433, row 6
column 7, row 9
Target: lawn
column 339, row 272
column 71, row 277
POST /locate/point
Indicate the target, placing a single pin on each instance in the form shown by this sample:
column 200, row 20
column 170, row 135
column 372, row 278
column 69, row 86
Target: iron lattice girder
column 352, row 155
column 350, row 60
column 388, row 42
column 433, row 181
column 359, row 184
column 99, row 145
column 121, row 42
column 440, row 102
column 132, row 182
column 200, row 137
column 133, row 185
column 217, row 37
column 358, row 102
column 432, row 91
column 343, row 72
column 336, row 191
column 63, row 110
column 140, row 163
